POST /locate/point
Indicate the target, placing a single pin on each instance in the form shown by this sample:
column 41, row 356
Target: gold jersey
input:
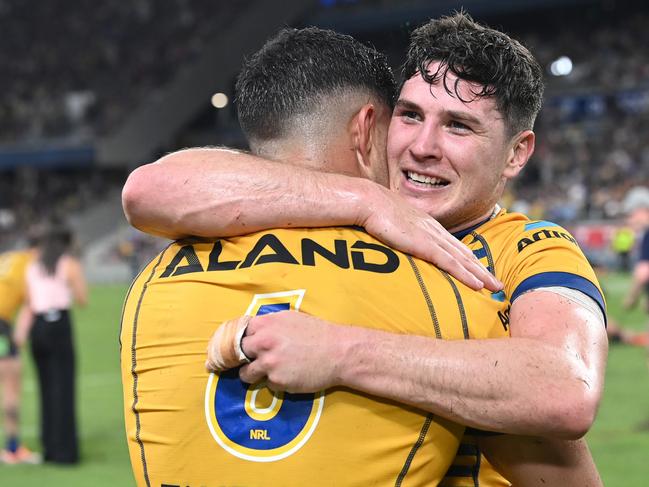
column 524, row 255
column 186, row 427
column 12, row 282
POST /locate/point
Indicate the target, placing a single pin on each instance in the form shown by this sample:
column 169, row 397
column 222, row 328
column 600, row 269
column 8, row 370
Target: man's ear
column 362, row 131
column 519, row 153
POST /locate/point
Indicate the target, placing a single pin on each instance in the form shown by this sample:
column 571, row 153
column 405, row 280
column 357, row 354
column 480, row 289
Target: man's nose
column 427, row 143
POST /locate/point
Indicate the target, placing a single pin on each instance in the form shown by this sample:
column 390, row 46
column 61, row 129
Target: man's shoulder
column 519, row 231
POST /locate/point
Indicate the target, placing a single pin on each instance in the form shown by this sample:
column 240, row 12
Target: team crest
column 252, row 422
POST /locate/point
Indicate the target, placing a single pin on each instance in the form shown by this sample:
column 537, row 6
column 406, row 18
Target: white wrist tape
column 224, row 350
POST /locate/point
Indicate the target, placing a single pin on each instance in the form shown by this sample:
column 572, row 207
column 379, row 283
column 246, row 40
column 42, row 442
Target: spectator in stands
column 636, row 205
column 54, row 282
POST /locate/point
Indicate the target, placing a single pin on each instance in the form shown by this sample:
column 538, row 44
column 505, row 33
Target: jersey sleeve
column 547, row 255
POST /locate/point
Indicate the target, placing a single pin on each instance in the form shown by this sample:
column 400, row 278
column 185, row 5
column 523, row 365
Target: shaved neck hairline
column 327, row 118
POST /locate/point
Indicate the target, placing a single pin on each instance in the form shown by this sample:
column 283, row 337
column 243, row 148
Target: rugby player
column 186, row 427
column 551, row 380
column 12, row 296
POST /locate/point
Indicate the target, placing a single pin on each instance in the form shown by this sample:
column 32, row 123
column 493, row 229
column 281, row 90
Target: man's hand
column 293, row 351
column 410, row 230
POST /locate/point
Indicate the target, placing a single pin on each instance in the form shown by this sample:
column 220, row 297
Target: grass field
column 620, row 448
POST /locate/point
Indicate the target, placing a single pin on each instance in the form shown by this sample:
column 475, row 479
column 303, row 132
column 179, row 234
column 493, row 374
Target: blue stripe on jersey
column 539, row 224
column 460, row 471
column 265, row 309
column 499, row 296
column 561, row 279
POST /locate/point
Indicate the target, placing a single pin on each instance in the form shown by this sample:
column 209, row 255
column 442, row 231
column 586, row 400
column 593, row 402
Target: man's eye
column 410, row 114
column 454, row 124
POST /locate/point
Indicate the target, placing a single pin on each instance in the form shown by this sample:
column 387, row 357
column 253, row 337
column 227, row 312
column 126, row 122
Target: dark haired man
column 187, row 428
column 452, row 147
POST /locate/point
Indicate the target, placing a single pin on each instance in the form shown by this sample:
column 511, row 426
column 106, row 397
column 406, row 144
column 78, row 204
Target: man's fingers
column 465, row 267
column 488, row 279
column 252, row 373
column 248, row 347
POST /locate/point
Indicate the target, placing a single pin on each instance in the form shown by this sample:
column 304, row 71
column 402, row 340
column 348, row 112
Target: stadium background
column 91, row 89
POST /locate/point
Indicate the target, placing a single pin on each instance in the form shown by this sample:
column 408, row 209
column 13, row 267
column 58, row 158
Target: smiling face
column 451, row 158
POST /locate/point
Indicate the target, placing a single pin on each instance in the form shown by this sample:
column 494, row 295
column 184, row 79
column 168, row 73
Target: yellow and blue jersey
column 525, row 255
column 12, row 282
column 187, row 427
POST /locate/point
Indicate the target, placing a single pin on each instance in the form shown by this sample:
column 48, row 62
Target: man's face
column 447, row 157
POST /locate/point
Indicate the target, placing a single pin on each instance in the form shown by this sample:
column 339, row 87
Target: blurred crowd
column 73, row 69
column 594, row 127
column 29, row 195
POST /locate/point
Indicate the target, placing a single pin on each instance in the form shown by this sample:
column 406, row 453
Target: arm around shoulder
column 221, row 192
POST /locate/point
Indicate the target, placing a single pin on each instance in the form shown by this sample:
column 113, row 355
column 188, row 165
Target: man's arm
column 540, row 462
column 546, row 380
column 220, row 192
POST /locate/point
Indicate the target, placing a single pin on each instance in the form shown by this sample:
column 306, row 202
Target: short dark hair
column 295, row 68
column 473, row 52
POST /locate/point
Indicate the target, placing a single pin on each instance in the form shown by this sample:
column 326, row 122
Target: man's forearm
column 504, row 387
column 219, row 192
column 544, row 381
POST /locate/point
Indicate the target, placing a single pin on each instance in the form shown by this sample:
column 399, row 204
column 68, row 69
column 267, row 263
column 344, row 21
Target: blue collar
column 463, row 233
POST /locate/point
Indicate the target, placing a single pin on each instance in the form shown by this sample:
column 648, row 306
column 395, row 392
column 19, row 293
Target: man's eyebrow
column 406, row 105
column 464, row 116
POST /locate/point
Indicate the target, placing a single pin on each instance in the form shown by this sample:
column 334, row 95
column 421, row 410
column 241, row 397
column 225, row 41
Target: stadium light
column 561, row 66
column 220, row 100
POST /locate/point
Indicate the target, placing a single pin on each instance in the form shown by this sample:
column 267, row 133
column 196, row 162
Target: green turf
column 620, row 447
column 619, row 439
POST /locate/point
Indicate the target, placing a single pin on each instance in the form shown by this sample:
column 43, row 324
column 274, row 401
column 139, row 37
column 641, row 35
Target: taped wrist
column 224, row 350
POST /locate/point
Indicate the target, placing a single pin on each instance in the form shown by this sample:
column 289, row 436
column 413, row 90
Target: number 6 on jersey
column 249, row 420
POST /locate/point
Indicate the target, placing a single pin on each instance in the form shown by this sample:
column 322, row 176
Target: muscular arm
column 534, row 462
column 220, row 192
column 546, row 380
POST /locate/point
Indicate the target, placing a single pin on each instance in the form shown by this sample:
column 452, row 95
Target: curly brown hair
column 504, row 68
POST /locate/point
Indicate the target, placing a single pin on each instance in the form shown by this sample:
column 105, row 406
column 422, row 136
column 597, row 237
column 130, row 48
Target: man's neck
column 464, row 228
